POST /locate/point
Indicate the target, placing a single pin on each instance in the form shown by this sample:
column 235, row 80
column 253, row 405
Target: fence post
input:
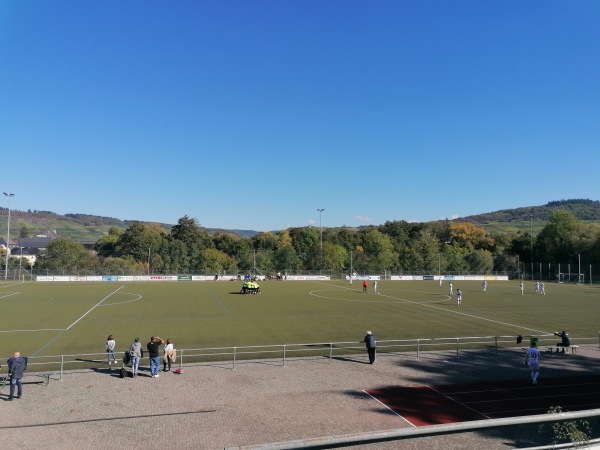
column 284, row 355
column 181, row 359
column 62, row 363
column 331, row 351
column 234, row 354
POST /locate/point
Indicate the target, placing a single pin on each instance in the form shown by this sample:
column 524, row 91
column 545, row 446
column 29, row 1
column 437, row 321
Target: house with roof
column 30, row 248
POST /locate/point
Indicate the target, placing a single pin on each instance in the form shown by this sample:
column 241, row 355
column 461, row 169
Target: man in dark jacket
column 153, row 352
column 565, row 341
column 16, row 367
column 369, row 340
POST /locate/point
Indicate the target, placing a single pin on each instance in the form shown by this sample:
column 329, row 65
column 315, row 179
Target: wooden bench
column 558, row 349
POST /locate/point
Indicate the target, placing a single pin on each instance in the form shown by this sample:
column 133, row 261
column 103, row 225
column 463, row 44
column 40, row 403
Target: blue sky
column 253, row 114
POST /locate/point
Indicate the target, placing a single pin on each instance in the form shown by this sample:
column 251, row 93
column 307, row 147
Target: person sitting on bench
column 565, row 341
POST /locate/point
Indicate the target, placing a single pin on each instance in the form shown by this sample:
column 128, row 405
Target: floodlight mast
column 9, row 195
column 321, row 233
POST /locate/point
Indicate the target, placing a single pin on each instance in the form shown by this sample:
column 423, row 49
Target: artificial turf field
column 54, row 318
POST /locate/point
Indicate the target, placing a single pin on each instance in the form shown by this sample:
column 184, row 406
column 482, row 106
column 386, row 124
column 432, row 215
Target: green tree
column 335, row 257
column 141, row 241
column 24, row 232
column 214, row 261
column 307, row 245
column 107, row 245
column 286, row 259
column 380, row 250
column 480, row 261
column 557, row 242
column 423, row 254
column 187, row 230
column 116, row 266
column 65, row 255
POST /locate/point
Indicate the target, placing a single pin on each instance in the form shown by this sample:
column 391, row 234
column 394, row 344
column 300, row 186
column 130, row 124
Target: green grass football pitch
column 75, row 318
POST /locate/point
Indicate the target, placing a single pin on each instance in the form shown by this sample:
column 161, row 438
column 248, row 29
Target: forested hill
column 583, row 209
column 89, row 228
column 79, row 227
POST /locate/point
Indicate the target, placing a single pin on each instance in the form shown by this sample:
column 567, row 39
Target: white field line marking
column 139, row 297
column 431, row 306
column 94, row 307
column 32, row 331
column 9, row 285
column 386, row 406
column 456, row 401
column 9, row 295
column 73, row 324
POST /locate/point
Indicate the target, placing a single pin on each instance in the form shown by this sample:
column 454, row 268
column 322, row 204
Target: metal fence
column 282, row 353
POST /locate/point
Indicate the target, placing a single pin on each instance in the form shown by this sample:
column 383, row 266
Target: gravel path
column 211, row 406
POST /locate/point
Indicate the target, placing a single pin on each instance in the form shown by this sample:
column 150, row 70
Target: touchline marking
column 32, row 331
column 94, row 307
column 9, row 295
column 432, row 306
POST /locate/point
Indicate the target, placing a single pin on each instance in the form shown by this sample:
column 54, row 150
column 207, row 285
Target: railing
column 232, row 356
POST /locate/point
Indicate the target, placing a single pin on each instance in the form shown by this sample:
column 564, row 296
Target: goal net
column 577, row 278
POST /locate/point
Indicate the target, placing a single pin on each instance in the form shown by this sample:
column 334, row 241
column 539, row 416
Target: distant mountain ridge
column 583, row 209
column 89, row 228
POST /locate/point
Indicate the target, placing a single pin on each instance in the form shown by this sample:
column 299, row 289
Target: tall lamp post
column 531, row 242
column 9, row 195
column 321, row 233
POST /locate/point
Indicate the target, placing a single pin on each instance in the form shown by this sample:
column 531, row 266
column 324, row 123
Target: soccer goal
column 577, row 278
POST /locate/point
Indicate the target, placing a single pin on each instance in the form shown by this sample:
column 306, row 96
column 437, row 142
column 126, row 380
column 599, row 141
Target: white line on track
column 456, row 401
column 427, row 306
column 390, row 409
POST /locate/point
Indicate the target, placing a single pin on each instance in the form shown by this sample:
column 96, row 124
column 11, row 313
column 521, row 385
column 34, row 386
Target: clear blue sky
column 253, row 114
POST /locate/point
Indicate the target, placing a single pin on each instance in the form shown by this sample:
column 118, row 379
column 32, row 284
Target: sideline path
column 211, row 406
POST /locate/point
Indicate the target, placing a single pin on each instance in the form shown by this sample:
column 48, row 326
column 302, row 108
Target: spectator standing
column 169, row 356
column 110, row 349
column 371, row 345
column 17, row 365
column 153, row 354
column 365, row 285
column 375, row 287
column 135, row 353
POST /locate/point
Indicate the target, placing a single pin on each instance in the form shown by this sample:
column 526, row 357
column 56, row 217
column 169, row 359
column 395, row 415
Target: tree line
column 395, row 246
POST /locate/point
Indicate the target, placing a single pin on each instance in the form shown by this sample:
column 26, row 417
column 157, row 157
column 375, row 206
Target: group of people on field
column 136, row 353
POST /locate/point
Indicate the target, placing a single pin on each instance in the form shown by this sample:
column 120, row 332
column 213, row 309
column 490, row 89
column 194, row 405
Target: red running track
column 436, row 405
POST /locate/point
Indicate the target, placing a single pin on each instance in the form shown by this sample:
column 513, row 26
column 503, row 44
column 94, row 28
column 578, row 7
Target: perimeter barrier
column 57, row 365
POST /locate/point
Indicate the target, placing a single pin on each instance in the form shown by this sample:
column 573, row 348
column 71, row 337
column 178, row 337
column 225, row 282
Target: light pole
column 531, row 242
column 9, row 195
column 321, row 232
